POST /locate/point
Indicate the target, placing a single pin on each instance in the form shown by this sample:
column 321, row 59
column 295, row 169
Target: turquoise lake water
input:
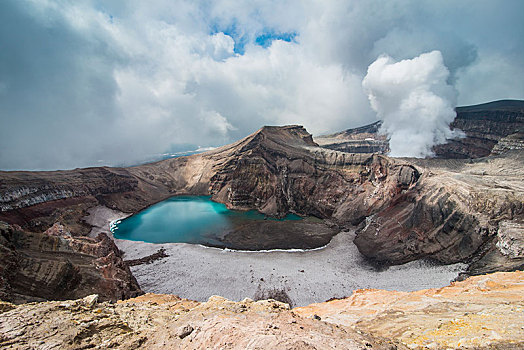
column 185, row 219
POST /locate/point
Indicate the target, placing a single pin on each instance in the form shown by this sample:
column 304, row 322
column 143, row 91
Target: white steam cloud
column 414, row 101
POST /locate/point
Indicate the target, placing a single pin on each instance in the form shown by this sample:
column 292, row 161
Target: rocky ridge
column 483, row 312
column 448, row 210
column 484, row 125
column 509, row 143
column 365, row 139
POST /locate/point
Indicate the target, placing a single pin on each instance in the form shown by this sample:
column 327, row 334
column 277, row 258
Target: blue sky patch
column 267, row 38
column 241, row 38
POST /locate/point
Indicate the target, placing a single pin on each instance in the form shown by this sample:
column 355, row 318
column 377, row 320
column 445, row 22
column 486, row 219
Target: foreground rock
column 483, row 312
column 168, row 322
column 55, row 265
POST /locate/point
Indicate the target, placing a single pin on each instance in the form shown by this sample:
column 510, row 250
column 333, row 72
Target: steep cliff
column 511, row 142
column 277, row 172
column 457, row 212
column 484, row 125
column 54, row 265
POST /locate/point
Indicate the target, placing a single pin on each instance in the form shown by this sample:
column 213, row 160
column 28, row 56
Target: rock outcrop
column 168, row 322
column 511, row 142
column 54, row 265
column 365, row 139
column 483, row 312
column 484, row 125
column 457, row 212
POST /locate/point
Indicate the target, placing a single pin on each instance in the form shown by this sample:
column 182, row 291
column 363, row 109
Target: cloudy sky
column 114, row 82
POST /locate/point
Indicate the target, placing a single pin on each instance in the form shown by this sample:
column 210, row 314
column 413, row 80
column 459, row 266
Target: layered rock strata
column 365, row 139
column 511, row 142
column 459, row 211
column 55, row 265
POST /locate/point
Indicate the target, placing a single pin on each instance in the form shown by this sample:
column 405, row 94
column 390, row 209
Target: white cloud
column 122, row 80
column 414, row 101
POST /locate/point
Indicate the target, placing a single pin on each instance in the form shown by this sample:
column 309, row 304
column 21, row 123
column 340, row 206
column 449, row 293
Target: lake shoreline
column 199, row 220
column 304, row 277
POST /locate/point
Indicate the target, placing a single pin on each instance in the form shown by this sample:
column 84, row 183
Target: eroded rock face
column 484, row 126
column 454, row 214
column 447, row 210
column 511, row 142
column 55, row 265
column 23, row 189
column 276, row 173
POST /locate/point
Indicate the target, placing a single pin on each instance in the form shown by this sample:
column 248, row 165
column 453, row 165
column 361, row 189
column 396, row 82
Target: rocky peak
column 277, row 136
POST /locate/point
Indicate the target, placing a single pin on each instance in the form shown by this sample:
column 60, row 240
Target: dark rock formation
column 457, row 212
column 53, row 265
column 484, row 125
column 160, row 254
column 269, row 234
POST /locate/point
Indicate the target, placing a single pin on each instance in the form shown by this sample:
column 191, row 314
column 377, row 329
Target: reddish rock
column 56, row 266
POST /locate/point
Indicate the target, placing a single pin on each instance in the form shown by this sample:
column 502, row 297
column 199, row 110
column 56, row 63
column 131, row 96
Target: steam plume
column 414, row 101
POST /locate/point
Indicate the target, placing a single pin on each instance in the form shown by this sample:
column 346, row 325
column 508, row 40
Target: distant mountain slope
column 484, row 124
column 500, row 105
